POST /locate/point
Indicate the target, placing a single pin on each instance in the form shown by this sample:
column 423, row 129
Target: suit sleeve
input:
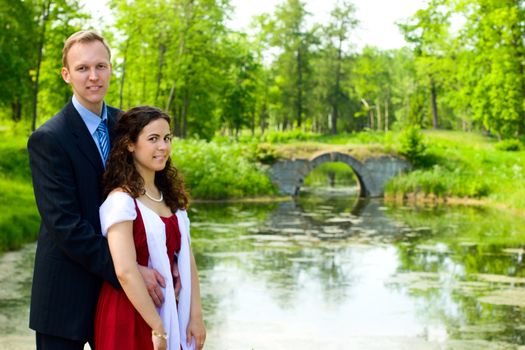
column 56, row 194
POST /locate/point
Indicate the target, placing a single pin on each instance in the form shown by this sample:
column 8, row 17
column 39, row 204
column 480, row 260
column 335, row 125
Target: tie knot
column 102, row 126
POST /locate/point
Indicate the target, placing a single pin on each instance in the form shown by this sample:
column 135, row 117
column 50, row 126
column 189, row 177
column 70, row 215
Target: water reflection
column 330, row 271
column 335, row 272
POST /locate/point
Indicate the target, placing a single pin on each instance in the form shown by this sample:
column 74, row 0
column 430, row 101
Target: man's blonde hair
column 83, row 36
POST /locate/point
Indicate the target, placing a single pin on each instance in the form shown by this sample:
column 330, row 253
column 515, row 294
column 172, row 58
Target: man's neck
column 95, row 108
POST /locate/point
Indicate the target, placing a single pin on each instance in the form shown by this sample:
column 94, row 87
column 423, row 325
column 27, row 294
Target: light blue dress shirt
column 91, row 120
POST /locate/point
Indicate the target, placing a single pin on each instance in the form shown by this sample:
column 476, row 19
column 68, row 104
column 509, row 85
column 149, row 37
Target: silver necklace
column 154, row 199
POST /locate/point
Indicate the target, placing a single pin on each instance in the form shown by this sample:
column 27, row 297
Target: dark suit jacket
column 72, row 257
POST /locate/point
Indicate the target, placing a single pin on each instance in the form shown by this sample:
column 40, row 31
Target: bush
column 264, row 153
column 220, row 171
column 287, row 136
column 511, row 145
column 412, row 145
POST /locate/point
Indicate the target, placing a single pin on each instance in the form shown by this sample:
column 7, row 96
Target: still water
column 329, row 271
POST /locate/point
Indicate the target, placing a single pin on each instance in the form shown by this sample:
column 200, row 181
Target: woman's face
column 153, row 147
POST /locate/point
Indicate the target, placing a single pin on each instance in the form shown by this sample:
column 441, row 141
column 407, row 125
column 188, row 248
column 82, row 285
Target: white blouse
column 119, row 207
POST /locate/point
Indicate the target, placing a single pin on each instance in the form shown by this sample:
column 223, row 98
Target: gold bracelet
column 159, row 335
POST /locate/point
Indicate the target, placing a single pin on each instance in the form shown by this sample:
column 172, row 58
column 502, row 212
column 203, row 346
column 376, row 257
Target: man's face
column 88, row 72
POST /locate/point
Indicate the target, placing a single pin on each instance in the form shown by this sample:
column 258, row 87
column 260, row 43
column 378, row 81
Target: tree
column 428, row 31
column 17, row 30
column 335, row 54
column 172, row 55
column 492, row 69
column 291, row 68
column 372, row 81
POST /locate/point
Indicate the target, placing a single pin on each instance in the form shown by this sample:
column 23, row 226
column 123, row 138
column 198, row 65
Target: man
column 67, row 155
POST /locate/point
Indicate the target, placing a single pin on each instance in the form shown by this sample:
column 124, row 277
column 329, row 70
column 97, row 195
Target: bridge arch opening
column 335, row 157
column 331, row 178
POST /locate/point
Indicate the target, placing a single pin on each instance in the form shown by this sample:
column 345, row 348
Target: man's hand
column 176, row 279
column 154, row 281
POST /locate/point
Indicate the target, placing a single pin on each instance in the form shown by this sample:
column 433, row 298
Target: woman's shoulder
column 119, row 196
column 122, row 190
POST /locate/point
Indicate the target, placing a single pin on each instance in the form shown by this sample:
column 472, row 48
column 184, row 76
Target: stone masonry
column 372, row 173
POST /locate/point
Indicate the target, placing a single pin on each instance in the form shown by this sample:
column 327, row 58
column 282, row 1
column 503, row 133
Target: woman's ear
column 131, row 147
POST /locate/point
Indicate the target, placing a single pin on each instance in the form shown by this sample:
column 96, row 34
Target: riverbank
column 456, row 168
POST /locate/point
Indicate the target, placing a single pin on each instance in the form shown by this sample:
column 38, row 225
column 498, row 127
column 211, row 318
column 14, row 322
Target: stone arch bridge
column 372, row 173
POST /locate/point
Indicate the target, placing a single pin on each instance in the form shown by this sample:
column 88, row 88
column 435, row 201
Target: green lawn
column 455, row 164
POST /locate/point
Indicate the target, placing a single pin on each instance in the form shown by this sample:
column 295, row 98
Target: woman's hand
column 196, row 329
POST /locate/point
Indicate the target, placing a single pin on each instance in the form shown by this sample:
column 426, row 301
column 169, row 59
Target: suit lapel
column 85, row 142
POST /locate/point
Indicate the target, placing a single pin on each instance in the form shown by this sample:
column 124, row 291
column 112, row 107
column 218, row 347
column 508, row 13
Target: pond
column 330, row 271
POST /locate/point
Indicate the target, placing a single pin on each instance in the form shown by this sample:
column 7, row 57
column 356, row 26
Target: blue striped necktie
column 103, row 140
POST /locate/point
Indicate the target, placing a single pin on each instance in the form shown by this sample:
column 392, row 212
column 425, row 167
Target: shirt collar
column 90, row 119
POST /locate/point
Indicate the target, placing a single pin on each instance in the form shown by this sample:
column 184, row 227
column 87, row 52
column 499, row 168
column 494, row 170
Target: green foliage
column 265, row 154
column 441, row 183
column 220, row 171
column 511, row 145
column 412, row 144
column 465, row 165
column 19, row 217
column 288, row 136
column 331, row 174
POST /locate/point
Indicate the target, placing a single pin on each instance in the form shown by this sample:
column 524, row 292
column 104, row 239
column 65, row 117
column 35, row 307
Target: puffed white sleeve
column 118, row 207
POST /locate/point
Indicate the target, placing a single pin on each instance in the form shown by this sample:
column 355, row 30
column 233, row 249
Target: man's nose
column 93, row 75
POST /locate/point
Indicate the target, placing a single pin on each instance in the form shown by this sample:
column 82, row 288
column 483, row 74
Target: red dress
column 117, row 324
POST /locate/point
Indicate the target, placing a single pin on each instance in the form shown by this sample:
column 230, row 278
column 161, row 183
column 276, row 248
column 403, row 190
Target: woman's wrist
column 196, row 314
column 159, row 334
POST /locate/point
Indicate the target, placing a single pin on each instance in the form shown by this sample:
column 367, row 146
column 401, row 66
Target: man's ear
column 65, row 74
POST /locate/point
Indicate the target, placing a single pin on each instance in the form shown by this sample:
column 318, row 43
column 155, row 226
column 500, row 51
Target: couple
column 114, row 229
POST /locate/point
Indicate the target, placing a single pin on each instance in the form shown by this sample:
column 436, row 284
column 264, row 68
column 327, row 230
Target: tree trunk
column 123, row 77
column 378, row 110
column 171, row 96
column 253, row 122
column 263, row 117
column 45, row 15
column 433, row 95
column 162, row 52
column 336, row 93
column 386, row 115
column 299, row 101
column 16, row 108
column 185, row 104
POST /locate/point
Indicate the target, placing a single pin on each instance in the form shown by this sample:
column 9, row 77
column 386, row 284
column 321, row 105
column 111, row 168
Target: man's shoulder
column 113, row 112
column 56, row 125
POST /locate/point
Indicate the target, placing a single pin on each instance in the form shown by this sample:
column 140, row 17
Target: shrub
column 220, row 171
column 412, row 145
column 511, row 145
column 264, row 153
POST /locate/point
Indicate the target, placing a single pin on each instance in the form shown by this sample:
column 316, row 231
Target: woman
column 145, row 222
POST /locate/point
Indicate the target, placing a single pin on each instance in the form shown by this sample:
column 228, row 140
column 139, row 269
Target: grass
column 458, row 164
column 455, row 164
column 19, row 219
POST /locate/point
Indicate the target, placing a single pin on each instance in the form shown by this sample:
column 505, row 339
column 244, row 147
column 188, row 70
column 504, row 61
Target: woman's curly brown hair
column 121, row 171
